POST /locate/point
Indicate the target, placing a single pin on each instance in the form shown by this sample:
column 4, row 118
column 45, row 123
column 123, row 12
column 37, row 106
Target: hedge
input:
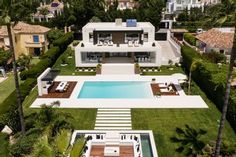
column 190, row 39
column 211, row 79
column 8, row 110
column 64, row 41
column 49, row 57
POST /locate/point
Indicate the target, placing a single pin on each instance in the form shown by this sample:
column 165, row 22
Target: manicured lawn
column 83, row 119
column 165, row 71
column 4, row 146
column 7, row 87
column 70, row 68
column 163, row 122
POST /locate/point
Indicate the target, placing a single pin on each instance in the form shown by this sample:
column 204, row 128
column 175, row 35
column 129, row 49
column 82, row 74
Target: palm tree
column 193, row 67
column 229, row 15
column 10, row 12
column 189, row 140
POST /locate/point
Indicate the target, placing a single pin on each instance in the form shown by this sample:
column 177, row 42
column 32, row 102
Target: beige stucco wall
column 24, row 43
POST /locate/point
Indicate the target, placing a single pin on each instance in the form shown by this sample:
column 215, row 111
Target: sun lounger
column 110, row 43
column 130, row 43
column 100, row 43
column 164, row 90
column 136, row 44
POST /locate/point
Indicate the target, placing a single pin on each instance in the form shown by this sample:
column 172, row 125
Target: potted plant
column 98, row 68
column 170, row 62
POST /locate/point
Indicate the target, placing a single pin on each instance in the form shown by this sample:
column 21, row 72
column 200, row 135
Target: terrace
column 167, row 100
column 119, row 143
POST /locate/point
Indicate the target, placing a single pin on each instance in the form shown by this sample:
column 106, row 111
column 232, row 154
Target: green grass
column 70, row 68
column 165, row 71
column 163, row 123
column 4, row 152
column 34, row 60
column 7, row 87
column 83, row 119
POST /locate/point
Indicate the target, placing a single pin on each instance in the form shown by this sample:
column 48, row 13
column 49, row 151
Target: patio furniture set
column 62, row 86
column 112, row 143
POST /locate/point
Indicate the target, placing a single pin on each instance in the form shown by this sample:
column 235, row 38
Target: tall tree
column 10, row 12
column 229, row 14
column 192, row 68
column 190, row 140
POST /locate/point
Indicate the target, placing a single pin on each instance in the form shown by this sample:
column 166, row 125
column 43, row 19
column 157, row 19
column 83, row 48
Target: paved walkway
column 118, row 69
column 113, row 119
column 168, row 52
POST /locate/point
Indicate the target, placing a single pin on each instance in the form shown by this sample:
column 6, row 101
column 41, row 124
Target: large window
column 36, row 38
column 145, row 37
column 104, row 37
column 91, row 37
column 131, row 37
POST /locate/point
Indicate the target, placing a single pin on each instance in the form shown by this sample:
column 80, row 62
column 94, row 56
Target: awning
column 51, row 75
column 179, row 76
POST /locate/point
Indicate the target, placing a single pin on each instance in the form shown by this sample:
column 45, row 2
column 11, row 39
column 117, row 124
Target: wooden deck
column 98, row 151
column 52, row 93
column 156, row 89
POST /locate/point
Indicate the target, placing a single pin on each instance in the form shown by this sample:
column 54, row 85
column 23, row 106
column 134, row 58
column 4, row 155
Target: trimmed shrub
column 190, row 39
column 64, row 41
column 211, row 80
column 49, row 58
column 189, row 55
column 36, row 70
column 52, row 54
column 8, row 111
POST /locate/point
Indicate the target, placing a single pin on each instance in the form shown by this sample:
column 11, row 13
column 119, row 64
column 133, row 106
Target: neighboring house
column 216, row 39
column 118, row 42
column 176, row 6
column 4, row 40
column 28, row 39
column 54, row 8
column 123, row 4
column 211, row 2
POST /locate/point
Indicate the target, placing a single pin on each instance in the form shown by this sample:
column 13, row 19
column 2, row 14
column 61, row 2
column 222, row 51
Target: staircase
column 113, row 119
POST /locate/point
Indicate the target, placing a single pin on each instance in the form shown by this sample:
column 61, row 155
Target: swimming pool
column 115, row 89
column 146, row 146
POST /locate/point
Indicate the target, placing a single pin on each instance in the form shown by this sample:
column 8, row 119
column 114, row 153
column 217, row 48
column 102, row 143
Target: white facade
column 107, row 41
column 173, row 6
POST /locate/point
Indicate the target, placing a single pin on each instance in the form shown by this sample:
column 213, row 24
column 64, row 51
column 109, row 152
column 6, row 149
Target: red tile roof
column 22, row 27
column 217, row 38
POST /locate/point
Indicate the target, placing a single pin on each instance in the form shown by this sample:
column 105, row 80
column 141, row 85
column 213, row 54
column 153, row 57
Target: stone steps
column 113, row 119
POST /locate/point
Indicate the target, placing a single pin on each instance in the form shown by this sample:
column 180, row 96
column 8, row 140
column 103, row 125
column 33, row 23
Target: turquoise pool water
column 146, row 146
column 115, row 89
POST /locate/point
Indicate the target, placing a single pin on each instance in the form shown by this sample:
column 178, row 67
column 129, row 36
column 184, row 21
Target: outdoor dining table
column 61, row 86
column 162, row 85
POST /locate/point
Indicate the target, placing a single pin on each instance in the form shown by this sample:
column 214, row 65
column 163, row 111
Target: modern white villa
column 176, row 6
column 118, row 42
column 118, row 89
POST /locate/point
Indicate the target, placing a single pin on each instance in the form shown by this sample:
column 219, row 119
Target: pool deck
column 165, row 101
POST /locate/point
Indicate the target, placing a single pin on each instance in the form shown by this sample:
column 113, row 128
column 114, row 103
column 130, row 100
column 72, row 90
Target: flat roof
column 113, row 26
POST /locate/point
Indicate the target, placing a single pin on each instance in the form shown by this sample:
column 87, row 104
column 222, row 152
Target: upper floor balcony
column 36, row 44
